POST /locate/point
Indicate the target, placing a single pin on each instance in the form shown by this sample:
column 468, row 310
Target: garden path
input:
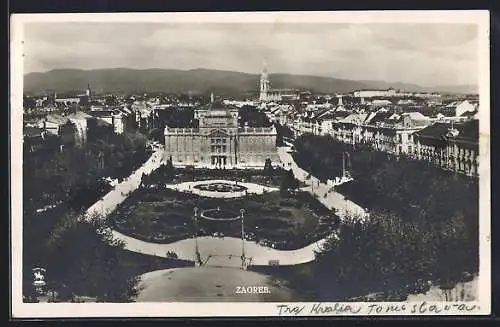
column 224, row 251
column 210, row 246
column 333, row 200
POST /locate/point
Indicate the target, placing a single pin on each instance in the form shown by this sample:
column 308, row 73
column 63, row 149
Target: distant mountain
column 224, row 83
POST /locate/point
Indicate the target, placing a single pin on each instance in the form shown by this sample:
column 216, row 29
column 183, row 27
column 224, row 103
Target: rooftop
column 467, row 131
column 469, row 113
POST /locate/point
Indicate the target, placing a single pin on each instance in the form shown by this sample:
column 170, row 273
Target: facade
column 277, row 95
column 393, row 93
column 67, row 101
column 119, row 118
column 374, row 93
column 452, row 147
column 52, row 124
column 382, row 130
column 202, row 111
column 119, row 122
column 79, row 119
column 281, row 113
column 219, row 142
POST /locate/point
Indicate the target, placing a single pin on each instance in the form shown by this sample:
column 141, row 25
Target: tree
column 83, row 260
column 288, row 182
column 390, row 254
column 169, row 169
column 268, row 167
column 156, row 134
column 29, row 103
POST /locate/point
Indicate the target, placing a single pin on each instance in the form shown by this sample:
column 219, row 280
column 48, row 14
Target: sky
column 424, row 54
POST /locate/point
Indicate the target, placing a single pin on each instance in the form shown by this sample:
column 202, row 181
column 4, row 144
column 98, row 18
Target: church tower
column 340, row 99
column 264, row 84
column 88, row 92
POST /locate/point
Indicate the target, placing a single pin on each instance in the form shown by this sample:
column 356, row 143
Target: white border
column 50, row 310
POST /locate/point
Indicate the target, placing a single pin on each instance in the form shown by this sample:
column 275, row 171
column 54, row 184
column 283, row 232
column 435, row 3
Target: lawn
column 286, row 221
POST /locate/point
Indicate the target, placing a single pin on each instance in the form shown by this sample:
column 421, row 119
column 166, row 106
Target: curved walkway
column 210, row 247
column 333, row 200
column 252, row 188
column 110, row 201
column 224, row 251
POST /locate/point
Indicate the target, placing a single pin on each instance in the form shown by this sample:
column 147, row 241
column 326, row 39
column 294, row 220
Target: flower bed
column 220, row 187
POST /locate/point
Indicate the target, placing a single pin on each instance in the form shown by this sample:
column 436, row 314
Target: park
column 164, row 213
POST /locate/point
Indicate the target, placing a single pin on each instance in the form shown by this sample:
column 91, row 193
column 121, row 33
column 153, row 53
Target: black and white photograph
column 250, row 164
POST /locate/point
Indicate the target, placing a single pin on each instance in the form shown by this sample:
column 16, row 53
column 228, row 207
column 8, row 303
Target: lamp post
column 242, row 212
column 195, row 219
column 312, row 180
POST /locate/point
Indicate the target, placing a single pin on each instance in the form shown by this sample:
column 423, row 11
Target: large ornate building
column 219, row 142
column 270, row 95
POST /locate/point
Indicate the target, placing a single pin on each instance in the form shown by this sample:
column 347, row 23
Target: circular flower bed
column 220, row 187
column 218, row 214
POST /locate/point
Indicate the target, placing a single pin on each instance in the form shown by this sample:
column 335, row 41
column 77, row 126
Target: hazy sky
column 426, row 54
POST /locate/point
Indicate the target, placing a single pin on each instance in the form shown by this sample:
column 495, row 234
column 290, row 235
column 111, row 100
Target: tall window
column 218, row 146
column 218, row 141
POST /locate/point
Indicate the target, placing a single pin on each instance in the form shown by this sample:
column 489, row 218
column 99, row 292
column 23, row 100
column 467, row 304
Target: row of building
column 451, row 142
column 209, row 135
column 74, row 128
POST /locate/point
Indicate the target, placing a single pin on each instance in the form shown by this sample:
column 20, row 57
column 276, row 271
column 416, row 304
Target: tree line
column 423, row 225
column 282, row 131
column 52, row 176
column 71, row 180
column 250, row 116
column 81, row 258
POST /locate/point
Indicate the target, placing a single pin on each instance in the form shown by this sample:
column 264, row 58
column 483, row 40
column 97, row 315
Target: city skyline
column 424, row 54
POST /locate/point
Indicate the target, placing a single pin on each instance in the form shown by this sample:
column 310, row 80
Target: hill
column 224, row 83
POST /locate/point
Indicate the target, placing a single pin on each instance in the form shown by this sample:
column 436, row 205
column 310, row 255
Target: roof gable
column 218, row 133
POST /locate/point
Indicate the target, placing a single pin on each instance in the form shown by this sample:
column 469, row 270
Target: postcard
column 250, row 164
